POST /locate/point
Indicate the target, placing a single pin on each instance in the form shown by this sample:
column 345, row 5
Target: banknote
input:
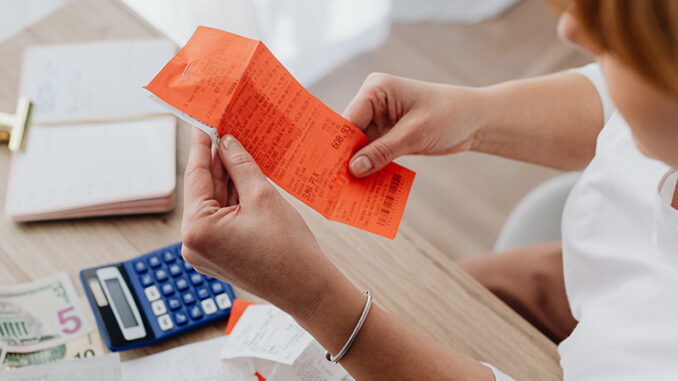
column 3, row 352
column 41, row 314
column 84, row 346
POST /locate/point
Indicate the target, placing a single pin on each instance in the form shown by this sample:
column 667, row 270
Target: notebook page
column 74, row 166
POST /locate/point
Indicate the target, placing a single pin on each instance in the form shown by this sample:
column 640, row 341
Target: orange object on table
column 236, row 86
column 237, row 309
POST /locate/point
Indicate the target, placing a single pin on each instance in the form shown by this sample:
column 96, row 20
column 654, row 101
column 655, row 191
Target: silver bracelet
column 354, row 334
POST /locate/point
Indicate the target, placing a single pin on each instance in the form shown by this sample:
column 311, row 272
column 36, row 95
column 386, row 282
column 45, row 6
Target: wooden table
column 409, row 277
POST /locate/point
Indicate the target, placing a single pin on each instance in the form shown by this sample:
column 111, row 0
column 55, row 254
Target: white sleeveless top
column 620, row 257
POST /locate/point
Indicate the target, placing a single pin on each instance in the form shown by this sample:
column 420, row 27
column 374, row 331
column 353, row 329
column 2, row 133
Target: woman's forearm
column 384, row 349
column 552, row 120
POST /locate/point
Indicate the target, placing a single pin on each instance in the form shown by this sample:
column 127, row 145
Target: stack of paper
column 197, row 361
column 279, row 348
column 97, row 146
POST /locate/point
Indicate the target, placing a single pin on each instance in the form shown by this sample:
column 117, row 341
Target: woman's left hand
column 238, row 228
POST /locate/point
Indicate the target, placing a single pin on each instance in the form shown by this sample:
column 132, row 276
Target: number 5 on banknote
column 69, row 318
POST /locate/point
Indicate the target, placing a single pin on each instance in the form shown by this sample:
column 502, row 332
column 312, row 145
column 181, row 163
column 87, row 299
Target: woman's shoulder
column 593, row 73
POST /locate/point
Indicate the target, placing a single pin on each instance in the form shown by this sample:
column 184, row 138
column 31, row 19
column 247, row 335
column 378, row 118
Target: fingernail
column 361, row 165
column 226, row 141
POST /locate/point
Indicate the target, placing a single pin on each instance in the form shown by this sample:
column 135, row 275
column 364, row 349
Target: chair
column 537, row 216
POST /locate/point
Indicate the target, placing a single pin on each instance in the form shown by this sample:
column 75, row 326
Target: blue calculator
column 152, row 297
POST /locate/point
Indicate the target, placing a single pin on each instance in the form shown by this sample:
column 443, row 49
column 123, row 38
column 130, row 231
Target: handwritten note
column 85, row 169
column 234, row 85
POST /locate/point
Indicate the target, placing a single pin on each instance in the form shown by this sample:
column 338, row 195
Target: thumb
column 246, row 175
column 377, row 155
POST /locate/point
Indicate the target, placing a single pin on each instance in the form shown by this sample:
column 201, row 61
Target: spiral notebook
column 97, row 144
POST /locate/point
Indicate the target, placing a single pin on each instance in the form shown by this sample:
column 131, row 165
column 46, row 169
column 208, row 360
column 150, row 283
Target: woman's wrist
column 333, row 314
column 469, row 111
column 483, row 112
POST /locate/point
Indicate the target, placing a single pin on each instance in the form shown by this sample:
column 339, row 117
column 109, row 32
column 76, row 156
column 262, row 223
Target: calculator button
column 158, row 307
column 188, row 267
column 175, row 270
column 168, row 257
column 196, row 279
column 152, row 293
column 218, row 287
column 154, row 261
column 180, row 317
column 173, row 303
column 182, row 284
column 208, row 306
column 165, row 322
column 202, row 292
column 167, row 289
column 223, row 301
column 188, row 298
column 146, row 280
column 161, row 275
column 139, row 267
column 196, row 312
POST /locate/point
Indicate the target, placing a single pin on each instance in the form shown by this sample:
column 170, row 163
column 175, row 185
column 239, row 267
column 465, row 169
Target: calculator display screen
column 120, row 303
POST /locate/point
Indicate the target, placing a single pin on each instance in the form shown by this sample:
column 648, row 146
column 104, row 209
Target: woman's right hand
column 402, row 116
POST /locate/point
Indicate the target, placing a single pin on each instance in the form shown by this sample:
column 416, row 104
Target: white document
column 265, row 332
column 311, row 365
column 94, row 168
column 100, row 368
column 197, row 361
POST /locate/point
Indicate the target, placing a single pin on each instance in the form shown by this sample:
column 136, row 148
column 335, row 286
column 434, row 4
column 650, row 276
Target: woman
column 611, row 287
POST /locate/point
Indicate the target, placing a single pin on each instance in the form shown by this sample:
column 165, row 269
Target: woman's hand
column 402, row 116
column 238, row 228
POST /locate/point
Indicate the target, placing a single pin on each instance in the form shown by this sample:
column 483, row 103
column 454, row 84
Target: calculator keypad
column 146, row 280
column 202, row 292
column 176, row 293
column 208, row 306
column 218, row 287
column 175, row 270
column 161, row 275
column 196, row 312
column 181, row 284
column 159, row 307
column 165, row 323
column 196, row 279
column 140, row 266
column 188, row 298
column 152, row 293
column 168, row 257
column 167, row 289
column 223, row 301
column 154, row 261
column 173, row 303
column 180, row 317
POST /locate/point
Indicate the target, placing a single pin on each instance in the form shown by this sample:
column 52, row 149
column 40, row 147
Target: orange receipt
column 228, row 84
